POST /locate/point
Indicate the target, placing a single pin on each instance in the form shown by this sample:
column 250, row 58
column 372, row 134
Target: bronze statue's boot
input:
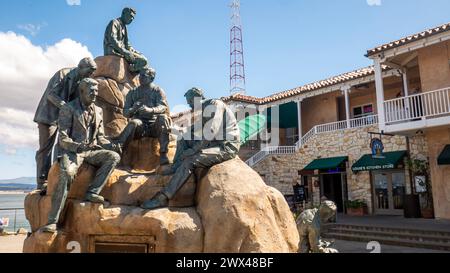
column 158, row 201
column 164, row 159
column 49, row 228
column 169, row 170
column 40, row 185
column 94, row 198
column 43, row 189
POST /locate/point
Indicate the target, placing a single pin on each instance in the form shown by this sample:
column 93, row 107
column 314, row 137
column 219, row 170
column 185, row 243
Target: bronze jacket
column 73, row 130
column 61, row 88
column 116, row 39
column 153, row 97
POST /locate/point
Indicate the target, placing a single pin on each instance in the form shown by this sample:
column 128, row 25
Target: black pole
column 408, row 152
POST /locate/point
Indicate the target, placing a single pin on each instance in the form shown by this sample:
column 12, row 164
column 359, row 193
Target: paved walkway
column 359, row 247
column 11, row 243
column 396, row 222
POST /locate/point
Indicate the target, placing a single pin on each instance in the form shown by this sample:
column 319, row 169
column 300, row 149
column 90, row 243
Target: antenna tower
column 237, row 70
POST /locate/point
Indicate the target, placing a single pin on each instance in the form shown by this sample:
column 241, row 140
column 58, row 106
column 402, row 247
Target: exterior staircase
column 316, row 130
column 407, row 237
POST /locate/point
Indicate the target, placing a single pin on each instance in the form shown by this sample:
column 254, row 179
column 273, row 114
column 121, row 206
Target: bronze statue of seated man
column 147, row 109
column 219, row 144
column 81, row 139
column 116, row 41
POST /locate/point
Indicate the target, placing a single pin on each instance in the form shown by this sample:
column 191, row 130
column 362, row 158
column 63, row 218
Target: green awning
column 250, row 127
column 326, row 163
column 444, row 157
column 390, row 161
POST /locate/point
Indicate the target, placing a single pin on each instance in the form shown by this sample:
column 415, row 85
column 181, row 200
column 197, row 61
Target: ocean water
column 13, row 201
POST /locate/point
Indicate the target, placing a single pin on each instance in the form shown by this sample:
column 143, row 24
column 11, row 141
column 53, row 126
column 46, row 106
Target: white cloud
column 73, row 2
column 31, row 28
column 25, row 70
column 374, row 2
column 18, row 130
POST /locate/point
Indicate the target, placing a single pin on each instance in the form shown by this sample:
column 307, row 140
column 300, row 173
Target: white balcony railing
column 364, row 121
column 420, row 106
column 331, row 127
column 317, row 130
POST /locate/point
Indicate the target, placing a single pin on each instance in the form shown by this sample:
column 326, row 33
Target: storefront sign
column 377, row 148
column 373, row 168
column 421, row 184
column 390, row 160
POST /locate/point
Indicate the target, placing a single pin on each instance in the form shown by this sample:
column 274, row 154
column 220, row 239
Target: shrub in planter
column 355, row 207
column 420, row 168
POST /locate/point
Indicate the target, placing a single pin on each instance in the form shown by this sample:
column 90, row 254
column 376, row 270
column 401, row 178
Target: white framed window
column 363, row 111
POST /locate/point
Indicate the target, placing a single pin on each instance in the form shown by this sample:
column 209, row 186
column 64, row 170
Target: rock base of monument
column 230, row 210
column 143, row 155
column 115, row 81
column 227, row 208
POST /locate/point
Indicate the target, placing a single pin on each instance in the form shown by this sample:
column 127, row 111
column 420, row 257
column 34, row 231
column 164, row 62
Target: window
column 362, row 111
column 291, row 136
column 306, row 184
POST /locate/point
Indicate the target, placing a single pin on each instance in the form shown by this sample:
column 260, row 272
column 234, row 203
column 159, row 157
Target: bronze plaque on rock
column 120, row 248
column 121, row 244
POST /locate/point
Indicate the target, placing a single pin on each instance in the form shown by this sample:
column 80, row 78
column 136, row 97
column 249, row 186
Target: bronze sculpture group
column 68, row 117
column 68, row 108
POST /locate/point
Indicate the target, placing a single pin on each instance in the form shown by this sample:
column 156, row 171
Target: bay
column 13, row 200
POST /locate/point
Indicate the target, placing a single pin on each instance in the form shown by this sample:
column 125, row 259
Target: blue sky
column 287, row 43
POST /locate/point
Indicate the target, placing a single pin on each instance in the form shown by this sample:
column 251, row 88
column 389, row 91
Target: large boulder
column 240, row 213
column 234, row 212
column 89, row 227
column 122, row 189
column 115, row 68
column 115, row 81
column 143, row 155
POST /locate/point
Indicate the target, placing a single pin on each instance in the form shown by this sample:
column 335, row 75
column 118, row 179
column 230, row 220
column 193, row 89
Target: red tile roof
column 409, row 39
column 179, row 114
column 367, row 71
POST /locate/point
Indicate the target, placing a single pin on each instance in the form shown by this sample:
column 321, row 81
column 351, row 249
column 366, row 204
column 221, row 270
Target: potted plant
column 419, row 169
column 355, row 207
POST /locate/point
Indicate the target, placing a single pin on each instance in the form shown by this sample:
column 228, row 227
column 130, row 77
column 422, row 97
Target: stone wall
column 281, row 171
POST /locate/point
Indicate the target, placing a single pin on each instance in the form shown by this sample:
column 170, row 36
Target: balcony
column 317, row 130
column 416, row 112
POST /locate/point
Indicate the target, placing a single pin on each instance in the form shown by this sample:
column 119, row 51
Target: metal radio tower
column 237, row 71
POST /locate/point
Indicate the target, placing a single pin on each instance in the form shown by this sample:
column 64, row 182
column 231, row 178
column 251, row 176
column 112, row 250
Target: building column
column 299, row 118
column 346, row 91
column 405, row 82
column 380, row 93
column 406, row 91
column 263, row 110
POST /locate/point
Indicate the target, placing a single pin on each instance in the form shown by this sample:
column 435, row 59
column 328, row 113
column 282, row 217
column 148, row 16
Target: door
column 388, row 192
column 332, row 189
